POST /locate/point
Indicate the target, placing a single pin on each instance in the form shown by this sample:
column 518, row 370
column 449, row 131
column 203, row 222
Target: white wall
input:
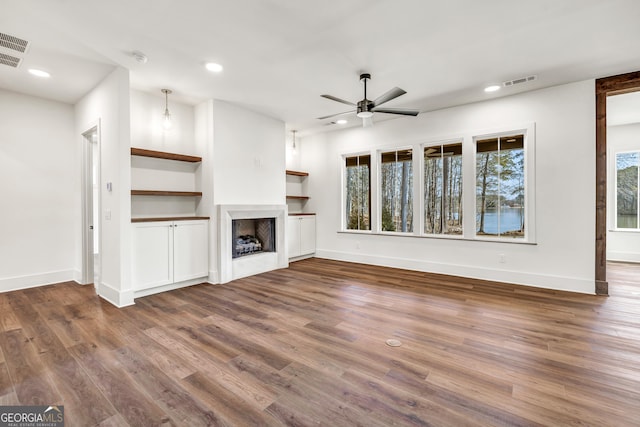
column 40, row 192
column 248, row 156
column 563, row 255
column 108, row 104
column 146, row 124
column 621, row 245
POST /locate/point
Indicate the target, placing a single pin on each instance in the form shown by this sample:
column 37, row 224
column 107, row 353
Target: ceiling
column 279, row 56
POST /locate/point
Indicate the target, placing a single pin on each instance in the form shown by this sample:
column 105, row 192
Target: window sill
column 439, row 237
column 625, row 230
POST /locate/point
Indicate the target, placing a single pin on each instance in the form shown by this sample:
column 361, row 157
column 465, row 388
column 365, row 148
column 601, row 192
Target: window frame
column 378, row 213
column 528, row 132
column 615, row 193
column 440, row 143
column 343, row 181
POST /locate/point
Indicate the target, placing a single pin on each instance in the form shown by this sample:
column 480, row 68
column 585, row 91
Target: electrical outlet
column 502, row 258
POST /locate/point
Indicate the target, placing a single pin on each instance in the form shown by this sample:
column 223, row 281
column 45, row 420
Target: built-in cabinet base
column 301, row 236
column 169, row 254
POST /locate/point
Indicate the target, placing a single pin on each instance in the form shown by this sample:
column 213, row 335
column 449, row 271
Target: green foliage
column 387, row 220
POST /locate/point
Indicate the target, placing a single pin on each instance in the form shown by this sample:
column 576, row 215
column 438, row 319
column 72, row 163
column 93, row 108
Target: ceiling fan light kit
column 365, row 107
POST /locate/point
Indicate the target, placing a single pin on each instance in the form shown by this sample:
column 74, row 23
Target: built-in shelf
column 163, row 155
column 297, row 173
column 301, row 213
column 298, row 197
column 175, row 218
column 165, row 193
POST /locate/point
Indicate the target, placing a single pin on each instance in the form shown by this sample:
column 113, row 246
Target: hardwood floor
column 306, row 346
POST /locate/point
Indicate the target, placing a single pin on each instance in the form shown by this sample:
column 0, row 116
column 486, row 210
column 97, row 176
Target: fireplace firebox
column 253, row 236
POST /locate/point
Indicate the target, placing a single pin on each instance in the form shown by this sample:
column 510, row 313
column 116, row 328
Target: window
column 500, row 192
column 396, row 180
column 358, row 192
column 627, row 180
column 443, row 189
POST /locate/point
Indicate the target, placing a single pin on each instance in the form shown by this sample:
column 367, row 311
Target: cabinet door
column 152, row 255
column 293, row 236
column 190, row 250
column 307, row 235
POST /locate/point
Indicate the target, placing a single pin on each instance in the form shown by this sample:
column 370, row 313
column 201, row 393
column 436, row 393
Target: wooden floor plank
column 305, row 346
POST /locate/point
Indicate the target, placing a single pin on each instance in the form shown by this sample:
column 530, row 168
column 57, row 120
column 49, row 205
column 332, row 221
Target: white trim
column 561, row 283
column 623, row 256
column 114, row 296
column 170, row 287
column 34, row 280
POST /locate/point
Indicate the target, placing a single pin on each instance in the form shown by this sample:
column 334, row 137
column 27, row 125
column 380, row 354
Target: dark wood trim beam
column 606, row 86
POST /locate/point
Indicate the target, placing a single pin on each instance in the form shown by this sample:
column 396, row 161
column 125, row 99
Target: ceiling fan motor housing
column 364, row 108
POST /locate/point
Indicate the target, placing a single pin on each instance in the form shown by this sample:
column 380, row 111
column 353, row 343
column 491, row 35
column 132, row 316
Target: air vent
column 519, row 81
column 9, row 60
column 13, row 43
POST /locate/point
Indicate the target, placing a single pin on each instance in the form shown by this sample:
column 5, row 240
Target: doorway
column 605, row 87
column 91, row 241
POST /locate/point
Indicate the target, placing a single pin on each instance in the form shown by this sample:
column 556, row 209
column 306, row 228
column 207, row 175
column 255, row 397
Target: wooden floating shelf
column 298, row 197
column 296, row 173
column 175, row 218
column 163, row 155
column 165, row 193
column 301, row 213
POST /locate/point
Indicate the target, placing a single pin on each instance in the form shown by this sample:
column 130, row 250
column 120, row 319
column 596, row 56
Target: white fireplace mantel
column 230, row 268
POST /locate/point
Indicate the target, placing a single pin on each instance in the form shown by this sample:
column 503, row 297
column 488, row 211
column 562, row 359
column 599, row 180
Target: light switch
column 107, row 214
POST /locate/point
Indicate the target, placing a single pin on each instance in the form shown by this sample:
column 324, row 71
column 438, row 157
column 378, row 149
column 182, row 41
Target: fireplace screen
column 251, row 236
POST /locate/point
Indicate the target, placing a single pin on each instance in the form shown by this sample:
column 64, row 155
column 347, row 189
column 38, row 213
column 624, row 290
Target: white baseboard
column 170, row 287
column 214, row 277
column 560, row 283
column 34, row 280
column 114, row 296
column 623, row 256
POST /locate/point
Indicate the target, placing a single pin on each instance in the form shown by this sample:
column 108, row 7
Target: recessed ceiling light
column 213, row 67
column 492, row 88
column 341, row 121
column 39, row 73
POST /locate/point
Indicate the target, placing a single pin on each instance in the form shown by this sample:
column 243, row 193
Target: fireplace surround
column 245, row 219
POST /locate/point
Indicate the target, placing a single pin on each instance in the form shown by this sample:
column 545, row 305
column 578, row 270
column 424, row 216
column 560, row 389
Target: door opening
column 605, row 87
column 91, row 253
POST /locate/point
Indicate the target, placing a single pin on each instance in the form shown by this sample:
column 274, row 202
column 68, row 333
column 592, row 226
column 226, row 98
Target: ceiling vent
column 9, row 60
column 519, row 81
column 13, row 43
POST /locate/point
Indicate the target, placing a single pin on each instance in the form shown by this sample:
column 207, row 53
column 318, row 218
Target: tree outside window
column 500, row 192
column 443, row 189
column 358, row 192
column 627, row 184
column 396, row 180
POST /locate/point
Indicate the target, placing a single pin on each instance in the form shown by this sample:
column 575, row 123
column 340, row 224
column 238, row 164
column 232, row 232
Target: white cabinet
column 169, row 252
column 301, row 235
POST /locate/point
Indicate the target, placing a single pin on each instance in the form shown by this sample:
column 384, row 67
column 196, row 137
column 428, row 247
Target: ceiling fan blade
column 388, row 96
column 337, row 114
column 396, row 111
column 333, row 98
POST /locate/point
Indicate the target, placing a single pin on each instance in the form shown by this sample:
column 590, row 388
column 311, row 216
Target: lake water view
column 510, row 220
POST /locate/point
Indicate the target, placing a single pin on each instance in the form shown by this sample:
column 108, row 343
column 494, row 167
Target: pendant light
column 166, row 118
